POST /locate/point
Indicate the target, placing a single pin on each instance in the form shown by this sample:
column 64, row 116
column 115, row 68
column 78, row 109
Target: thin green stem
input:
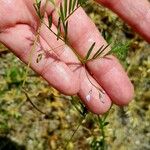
column 107, row 113
column 78, row 56
column 30, row 58
column 98, row 88
column 28, row 99
column 101, row 126
column 78, row 126
column 53, row 31
column 33, row 48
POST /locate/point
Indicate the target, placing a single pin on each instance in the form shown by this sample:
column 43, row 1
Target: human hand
column 60, row 66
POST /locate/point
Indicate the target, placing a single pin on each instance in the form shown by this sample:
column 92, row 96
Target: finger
column 20, row 40
column 9, row 15
column 113, row 79
column 92, row 95
column 13, row 12
column 95, row 103
column 136, row 13
column 81, row 34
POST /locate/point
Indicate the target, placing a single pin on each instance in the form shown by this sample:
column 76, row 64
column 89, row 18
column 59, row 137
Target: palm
column 60, row 66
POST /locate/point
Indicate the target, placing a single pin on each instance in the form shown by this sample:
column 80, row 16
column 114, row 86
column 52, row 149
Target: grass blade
column 65, row 8
column 50, row 21
column 62, row 13
column 70, row 6
column 89, row 51
column 58, row 28
column 97, row 52
column 66, row 30
column 100, row 52
column 74, row 4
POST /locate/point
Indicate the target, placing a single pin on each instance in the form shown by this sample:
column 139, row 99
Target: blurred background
column 22, row 127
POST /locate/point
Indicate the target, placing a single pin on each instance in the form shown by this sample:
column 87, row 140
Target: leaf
column 89, row 51
column 97, row 52
column 105, row 123
column 76, row 105
column 100, row 52
column 62, row 13
column 58, row 28
column 70, row 6
column 50, row 21
column 82, row 2
column 65, row 8
column 37, row 6
column 66, row 30
column 74, row 4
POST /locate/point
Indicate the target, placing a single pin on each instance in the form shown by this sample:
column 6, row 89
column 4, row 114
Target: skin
column 60, row 67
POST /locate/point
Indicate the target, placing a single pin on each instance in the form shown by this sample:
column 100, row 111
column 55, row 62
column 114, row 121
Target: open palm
column 19, row 24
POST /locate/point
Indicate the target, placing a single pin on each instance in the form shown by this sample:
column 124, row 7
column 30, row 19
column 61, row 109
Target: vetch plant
column 64, row 11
